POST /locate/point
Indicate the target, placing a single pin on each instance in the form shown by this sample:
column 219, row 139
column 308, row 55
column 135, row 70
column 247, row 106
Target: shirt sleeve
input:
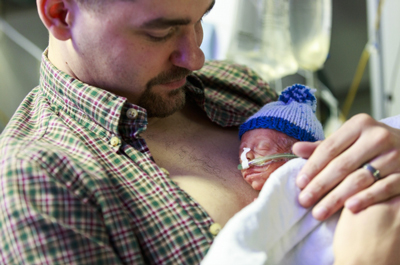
column 229, row 93
column 44, row 221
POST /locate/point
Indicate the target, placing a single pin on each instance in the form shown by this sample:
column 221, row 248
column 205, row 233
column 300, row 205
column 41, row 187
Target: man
column 91, row 160
column 111, row 160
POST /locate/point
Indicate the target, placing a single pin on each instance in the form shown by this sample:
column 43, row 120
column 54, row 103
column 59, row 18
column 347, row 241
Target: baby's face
column 263, row 142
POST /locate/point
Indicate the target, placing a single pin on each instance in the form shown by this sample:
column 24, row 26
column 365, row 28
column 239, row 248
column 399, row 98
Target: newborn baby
column 275, row 229
column 274, row 129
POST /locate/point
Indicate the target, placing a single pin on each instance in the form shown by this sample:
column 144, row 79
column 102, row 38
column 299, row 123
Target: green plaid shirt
column 78, row 184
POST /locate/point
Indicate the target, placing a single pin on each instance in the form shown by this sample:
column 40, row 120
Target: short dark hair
column 93, row 4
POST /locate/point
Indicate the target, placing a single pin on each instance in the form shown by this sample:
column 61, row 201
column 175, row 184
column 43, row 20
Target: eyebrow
column 160, row 23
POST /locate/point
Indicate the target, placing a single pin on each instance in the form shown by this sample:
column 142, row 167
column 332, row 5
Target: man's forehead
column 155, row 14
column 174, row 8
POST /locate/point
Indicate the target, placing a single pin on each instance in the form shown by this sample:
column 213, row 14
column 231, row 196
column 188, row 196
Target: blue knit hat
column 293, row 114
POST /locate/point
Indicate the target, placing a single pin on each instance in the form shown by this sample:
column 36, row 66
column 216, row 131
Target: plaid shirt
column 78, row 184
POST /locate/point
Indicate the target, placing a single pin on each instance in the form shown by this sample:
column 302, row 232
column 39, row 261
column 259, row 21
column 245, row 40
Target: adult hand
column 334, row 170
column 370, row 236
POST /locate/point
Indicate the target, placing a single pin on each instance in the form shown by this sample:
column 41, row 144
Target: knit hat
column 293, row 114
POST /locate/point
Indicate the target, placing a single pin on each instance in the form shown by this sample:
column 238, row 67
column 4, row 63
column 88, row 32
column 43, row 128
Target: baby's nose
column 250, row 155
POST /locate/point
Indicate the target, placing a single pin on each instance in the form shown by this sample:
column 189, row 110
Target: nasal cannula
column 259, row 161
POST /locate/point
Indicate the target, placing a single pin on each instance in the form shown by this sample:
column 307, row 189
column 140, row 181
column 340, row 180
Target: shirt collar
column 83, row 102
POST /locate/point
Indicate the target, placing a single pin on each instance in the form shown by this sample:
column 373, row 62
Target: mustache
column 175, row 74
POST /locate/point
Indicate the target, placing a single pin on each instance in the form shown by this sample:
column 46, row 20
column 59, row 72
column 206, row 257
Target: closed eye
column 160, row 35
column 262, row 147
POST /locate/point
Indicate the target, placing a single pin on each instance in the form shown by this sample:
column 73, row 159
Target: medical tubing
column 360, row 67
column 356, row 83
column 262, row 159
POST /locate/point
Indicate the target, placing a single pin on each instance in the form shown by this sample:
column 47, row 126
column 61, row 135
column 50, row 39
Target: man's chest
column 202, row 159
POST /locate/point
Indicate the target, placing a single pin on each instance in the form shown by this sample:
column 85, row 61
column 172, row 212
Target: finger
column 373, row 141
column 305, row 149
column 328, row 178
column 334, row 200
column 356, row 182
column 380, row 191
column 330, row 148
column 342, row 166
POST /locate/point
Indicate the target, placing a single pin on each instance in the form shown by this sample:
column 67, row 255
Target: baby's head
column 275, row 128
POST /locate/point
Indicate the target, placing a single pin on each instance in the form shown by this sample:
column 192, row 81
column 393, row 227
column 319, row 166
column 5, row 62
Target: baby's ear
column 57, row 16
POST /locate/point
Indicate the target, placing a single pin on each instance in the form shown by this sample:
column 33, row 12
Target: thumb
column 305, row 149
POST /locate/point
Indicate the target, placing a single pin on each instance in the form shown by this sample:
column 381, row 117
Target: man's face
column 142, row 50
column 263, row 142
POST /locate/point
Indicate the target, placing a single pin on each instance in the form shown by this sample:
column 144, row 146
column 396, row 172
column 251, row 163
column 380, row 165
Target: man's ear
column 56, row 16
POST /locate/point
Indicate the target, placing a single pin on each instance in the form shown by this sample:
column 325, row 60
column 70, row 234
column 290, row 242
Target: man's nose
column 188, row 53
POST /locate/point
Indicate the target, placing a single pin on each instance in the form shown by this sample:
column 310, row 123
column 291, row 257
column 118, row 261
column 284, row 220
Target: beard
column 162, row 106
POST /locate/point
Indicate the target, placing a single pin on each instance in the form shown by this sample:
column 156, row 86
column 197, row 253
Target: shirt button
column 165, row 171
column 131, row 113
column 215, row 228
column 115, row 141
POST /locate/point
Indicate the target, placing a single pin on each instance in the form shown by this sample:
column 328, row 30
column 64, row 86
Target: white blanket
column 275, row 229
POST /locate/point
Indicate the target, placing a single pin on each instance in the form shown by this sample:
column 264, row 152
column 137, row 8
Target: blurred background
column 23, row 38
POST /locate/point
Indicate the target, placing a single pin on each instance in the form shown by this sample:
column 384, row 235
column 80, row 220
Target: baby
column 275, row 229
column 274, row 129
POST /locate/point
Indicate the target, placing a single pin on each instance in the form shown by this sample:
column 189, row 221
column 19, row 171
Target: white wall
column 385, row 59
column 391, row 53
column 222, row 17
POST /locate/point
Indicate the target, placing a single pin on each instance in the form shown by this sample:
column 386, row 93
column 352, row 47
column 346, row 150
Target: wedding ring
column 375, row 172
